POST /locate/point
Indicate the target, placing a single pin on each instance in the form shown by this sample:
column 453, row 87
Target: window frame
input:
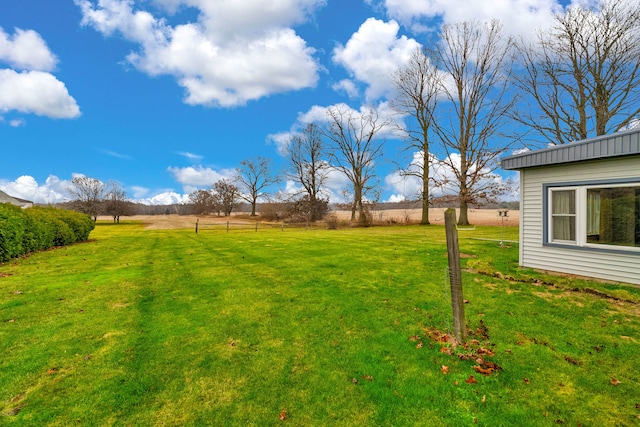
column 580, row 189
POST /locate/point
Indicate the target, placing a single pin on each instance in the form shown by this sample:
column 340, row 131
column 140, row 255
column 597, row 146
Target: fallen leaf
column 52, row 371
column 444, row 369
column 615, row 382
column 455, row 382
column 354, row 380
column 11, row 320
column 283, row 415
column 484, row 398
column 445, row 350
column 414, row 338
column 471, row 380
column 419, row 345
column 87, row 357
column 416, row 309
column 483, row 371
column 486, row 351
column 526, row 380
column 367, row 377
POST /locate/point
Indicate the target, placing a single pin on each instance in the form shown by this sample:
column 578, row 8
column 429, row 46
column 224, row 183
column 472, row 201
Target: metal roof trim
column 624, row 143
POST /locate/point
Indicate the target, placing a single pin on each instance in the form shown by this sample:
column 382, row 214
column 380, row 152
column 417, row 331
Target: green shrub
column 11, row 231
column 39, row 228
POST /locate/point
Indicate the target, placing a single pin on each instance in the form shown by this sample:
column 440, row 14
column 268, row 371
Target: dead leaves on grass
column 476, row 349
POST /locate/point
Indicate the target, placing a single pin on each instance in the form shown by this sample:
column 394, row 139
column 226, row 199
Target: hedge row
column 39, row 228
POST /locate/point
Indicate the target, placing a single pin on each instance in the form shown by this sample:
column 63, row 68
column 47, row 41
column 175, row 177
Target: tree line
column 461, row 102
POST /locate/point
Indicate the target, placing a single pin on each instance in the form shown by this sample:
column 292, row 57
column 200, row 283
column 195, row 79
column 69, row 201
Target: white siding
column 621, row 267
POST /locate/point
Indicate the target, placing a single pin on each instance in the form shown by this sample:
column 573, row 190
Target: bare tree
column 476, row 62
column 254, row 175
column 202, row 201
column 309, row 167
column 88, row 193
column 225, row 196
column 582, row 76
column 115, row 201
column 356, row 147
column 418, row 85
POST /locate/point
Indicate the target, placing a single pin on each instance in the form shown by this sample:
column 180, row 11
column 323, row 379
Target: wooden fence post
column 197, row 225
column 227, row 227
column 256, row 226
column 455, row 275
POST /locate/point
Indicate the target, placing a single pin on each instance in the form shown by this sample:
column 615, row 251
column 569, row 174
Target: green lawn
column 327, row 327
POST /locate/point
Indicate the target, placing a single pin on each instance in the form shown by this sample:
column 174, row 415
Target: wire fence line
column 229, row 226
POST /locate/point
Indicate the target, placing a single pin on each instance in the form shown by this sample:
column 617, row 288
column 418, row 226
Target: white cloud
column 26, row 50
column 235, row 53
column 408, row 186
column 519, row 17
column 347, row 86
column 36, row 92
column 32, row 90
column 193, row 177
column 139, row 192
column 165, row 198
column 372, row 55
column 190, row 156
column 53, row 190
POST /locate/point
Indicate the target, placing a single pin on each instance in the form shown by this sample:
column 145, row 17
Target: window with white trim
column 600, row 216
column 563, row 215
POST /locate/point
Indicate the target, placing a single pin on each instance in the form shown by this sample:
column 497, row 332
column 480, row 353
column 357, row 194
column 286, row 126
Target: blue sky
column 167, row 96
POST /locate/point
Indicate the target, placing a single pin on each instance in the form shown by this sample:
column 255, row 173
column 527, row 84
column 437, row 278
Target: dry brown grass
column 396, row 216
column 436, row 216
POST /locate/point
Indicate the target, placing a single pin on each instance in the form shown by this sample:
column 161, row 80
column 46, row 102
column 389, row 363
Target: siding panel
column 599, row 264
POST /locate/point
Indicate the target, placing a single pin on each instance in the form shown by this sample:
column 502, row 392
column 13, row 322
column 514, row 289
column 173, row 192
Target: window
column 598, row 216
column 563, row 215
column 613, row 216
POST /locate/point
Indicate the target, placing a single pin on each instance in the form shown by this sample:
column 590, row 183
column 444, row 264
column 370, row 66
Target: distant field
column 166, row 327
column 400, row 216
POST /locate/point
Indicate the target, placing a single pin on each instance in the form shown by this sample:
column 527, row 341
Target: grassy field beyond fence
column 308, row 328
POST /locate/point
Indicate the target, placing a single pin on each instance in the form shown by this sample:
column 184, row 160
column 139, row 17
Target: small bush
column 332, row 222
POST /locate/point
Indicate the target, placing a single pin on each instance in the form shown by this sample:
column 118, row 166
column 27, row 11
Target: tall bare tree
column 308, row 166
column 88, row 194
column 582, row 76
column 202, row 201
column 115, row 202
column 225, row 196
column 418, row 85
column 476, row 63
column 356, row 145
column 254, row 175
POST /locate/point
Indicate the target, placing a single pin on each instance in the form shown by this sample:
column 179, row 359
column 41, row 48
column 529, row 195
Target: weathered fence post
column 197, row 225
column 227, row 227
column 455, row 275
column 282, row 226
column 256, row 226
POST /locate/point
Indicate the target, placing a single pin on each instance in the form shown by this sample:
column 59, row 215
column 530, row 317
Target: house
column 5, row 198
column 580, row 207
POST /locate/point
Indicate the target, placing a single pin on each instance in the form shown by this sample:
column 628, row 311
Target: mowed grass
column 308, row 328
